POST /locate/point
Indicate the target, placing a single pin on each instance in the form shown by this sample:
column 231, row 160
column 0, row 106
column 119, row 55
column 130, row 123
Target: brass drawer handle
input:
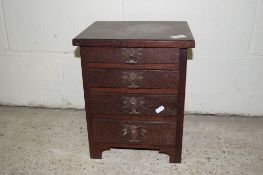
column 131, row 62
column 131, row 79
column 132, row 54
column 132, row 104
column 136, row 133
column 133, row 86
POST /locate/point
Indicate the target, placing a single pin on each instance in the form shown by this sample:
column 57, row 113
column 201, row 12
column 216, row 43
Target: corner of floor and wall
column 40, row 67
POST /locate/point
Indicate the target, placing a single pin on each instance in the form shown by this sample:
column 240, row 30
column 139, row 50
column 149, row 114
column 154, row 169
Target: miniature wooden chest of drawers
column 134, row 84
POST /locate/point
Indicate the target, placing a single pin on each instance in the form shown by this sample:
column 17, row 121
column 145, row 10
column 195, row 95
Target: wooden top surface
column 136, row 34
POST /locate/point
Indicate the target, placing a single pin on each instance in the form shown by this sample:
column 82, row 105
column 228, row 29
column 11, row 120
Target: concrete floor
column 53, row 141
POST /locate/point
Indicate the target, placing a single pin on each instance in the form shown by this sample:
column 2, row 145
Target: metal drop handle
column 136, row 133
column 133, row 86
column 133, row 104
column 131, row 61
column 131, row 78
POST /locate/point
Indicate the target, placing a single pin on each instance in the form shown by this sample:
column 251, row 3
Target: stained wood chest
column 134, row 76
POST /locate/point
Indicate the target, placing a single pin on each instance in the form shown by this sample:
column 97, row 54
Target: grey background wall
column 38, row 66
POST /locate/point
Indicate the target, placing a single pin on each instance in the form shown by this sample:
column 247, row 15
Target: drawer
column 129, row 55
column 132, row 132
column 119, row 78
column 133, row 104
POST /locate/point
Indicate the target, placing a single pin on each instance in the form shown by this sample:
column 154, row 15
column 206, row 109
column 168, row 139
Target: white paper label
column 178, row 36
column 159, row 109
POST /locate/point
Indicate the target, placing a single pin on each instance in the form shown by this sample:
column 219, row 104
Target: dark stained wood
column 132, row 66
column 121, row 78
column 88, row 116
column 131, row 117
column 132, row 56
column 136, row 34
column 132, row 104
column 180, row 119
column 129, row 69
column 135, row 91
column 98, row 147
column 152, row 133
column 135, row 43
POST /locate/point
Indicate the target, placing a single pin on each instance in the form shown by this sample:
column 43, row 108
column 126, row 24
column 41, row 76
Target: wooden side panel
column 180, row 119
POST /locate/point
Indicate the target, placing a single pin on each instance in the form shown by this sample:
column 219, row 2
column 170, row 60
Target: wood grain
column 134, row 132
column 121, row 78
column 124, row 55
column 132, row 104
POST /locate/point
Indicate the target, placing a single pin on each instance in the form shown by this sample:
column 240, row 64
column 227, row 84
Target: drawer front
column 129, row 55
column 133, row 104
column 126, row 132
column 118, row 78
